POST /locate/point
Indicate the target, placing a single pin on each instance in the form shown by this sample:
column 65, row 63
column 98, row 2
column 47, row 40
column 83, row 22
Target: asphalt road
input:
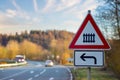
column 35, row 71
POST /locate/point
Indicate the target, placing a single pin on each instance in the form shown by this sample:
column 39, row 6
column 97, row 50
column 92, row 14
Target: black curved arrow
column 83, row 58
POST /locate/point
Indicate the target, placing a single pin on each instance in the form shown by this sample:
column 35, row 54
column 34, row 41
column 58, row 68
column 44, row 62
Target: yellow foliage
column 13, row 49
column 64, row 58
column 3, row 52
column 29, row 49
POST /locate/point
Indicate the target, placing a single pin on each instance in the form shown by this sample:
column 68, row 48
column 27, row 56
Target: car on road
column 49, row 63
column 20, row 58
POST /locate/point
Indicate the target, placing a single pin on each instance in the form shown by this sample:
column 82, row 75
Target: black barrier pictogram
column 88, row 38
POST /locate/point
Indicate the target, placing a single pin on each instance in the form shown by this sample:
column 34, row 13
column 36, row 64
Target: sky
column 21, row 15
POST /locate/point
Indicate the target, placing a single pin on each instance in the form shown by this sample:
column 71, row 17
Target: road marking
column 30, row 78
column 11, row 79
column 42, row 71
column 71, row 77
column 51, row 78
column 39, row 65
column 31, row 72
column 36, row 75
column 14, row 75
column 57, row 71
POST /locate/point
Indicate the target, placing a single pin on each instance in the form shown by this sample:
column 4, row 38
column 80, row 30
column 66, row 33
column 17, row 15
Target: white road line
column 56, row 71
column 30, row 78
column 71, row 77
column 42, row 71
column 14, row 75
column 36, row 75
column 31, row 72
column 11, row 79
column 51, row 78
column 39, row 65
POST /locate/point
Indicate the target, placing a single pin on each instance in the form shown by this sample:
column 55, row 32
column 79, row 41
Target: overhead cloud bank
column 68, row 12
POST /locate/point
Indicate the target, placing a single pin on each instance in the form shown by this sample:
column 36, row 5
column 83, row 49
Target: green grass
column 96, row 74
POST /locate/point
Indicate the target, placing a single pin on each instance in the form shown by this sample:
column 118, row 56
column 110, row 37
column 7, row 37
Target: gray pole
column 89, row 11
column 89, row 73
column 89, row 68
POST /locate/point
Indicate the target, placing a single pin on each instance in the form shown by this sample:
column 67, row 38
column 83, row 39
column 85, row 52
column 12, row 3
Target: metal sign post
column 89, row 73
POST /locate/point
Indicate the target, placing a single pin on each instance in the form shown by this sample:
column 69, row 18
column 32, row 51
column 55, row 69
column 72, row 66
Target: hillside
column 37, row 45
column 42, row 38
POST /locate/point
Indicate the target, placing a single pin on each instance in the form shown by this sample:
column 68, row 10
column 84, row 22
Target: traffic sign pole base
column 89, row 73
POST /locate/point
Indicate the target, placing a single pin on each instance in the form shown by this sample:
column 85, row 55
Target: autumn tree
column 64, row 58
column 59, row 49
column 3, row 52
column 108, row 17
column 29, row 49
column 13, row 49
column 54, row 48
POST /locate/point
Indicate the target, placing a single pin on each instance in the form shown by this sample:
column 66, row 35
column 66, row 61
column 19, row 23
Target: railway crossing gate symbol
column 89, row 37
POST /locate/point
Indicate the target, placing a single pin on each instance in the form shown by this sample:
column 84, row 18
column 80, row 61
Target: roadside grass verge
column 96, row 74
column 4, row 61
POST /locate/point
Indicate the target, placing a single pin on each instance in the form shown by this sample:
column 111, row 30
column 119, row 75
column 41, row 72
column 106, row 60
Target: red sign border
column 89, row 47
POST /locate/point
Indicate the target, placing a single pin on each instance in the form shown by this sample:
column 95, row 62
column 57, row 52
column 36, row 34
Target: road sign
column 88, row 58
column 89, row 36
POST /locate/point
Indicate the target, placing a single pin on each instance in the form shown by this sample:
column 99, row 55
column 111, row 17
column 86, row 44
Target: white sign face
column 89, row 36
column 88, row 58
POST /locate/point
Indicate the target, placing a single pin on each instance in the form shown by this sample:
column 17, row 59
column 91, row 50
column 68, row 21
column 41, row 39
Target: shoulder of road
column 13, row 64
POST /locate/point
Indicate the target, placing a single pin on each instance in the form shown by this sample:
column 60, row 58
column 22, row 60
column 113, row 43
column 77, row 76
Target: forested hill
column 42, row 38
column 37, row 45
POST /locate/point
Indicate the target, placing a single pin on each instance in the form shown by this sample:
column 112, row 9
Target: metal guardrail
column 13, row 64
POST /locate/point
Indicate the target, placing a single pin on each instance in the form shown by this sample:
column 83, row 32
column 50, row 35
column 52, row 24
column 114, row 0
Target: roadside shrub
column 113, row 57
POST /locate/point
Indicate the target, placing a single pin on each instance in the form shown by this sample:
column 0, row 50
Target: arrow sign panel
column 88, row 58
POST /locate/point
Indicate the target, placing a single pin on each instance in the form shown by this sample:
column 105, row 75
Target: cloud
column 35, row 5
column 69, row 5
column 15, row 5
column 12, row 24
column 11, row 13
column 50, row 4
column 68, row 12
column 79, row 11
column 59, row 5
column 8, row 19
column 19, row 12
column 64, row 4
column 8, row 23
column 72, row 23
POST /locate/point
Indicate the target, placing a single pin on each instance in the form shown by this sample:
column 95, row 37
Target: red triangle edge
column 105, row 45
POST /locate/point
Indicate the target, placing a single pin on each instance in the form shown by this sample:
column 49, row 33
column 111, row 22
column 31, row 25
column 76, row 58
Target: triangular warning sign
column 89, row 37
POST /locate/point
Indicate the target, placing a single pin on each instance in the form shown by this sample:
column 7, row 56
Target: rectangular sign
column 88, row 58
